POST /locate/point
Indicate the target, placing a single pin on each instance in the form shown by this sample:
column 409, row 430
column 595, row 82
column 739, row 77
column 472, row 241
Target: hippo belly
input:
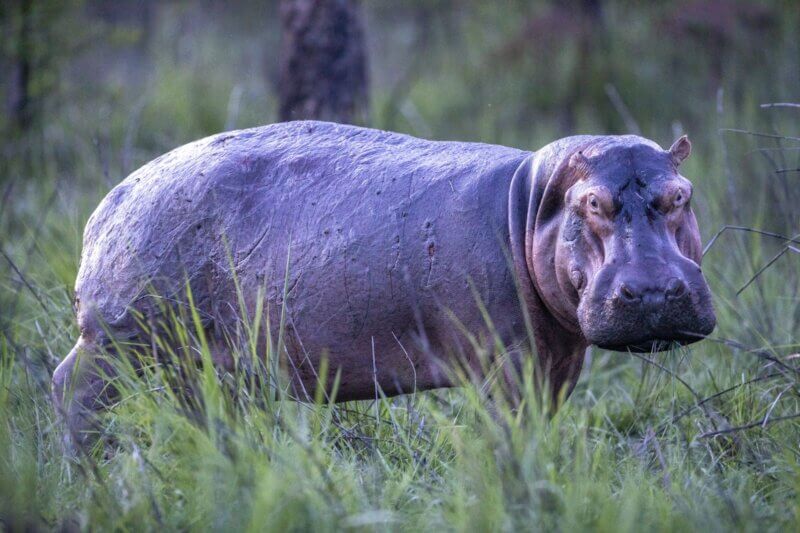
column 377, row 245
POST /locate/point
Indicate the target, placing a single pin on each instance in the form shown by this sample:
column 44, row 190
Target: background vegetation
column 702, row 437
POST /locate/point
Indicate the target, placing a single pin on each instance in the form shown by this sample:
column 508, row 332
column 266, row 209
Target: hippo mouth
column 653, row 345
column 654, row 341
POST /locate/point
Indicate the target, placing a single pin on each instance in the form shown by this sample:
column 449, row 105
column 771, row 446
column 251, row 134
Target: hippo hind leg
column 80, row 388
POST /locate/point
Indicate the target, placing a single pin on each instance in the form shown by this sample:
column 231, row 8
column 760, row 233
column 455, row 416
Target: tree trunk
column 323, row 72
column 19, row 97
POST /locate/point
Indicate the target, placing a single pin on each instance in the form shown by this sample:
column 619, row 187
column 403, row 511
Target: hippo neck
column 519, row 197
column 524, row 200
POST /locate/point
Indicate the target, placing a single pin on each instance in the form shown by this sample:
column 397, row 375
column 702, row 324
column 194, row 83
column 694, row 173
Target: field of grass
column 705, row 437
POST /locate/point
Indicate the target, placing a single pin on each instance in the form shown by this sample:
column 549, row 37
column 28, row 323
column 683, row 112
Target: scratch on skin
column 346, row 285
column 404, row 209
column 359, row 321
column 367, row 306
column 431, row 259
column 292, row 286
column 254, row 246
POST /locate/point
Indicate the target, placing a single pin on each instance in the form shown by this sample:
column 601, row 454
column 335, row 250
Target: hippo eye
column 593, row 202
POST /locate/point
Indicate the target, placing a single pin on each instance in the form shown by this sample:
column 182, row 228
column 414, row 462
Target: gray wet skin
column 391, row 241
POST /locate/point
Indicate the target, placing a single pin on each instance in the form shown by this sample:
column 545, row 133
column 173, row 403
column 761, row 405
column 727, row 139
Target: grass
column 701, row 438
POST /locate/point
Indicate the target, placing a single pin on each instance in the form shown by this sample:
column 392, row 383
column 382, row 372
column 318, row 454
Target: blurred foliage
column 139, row 79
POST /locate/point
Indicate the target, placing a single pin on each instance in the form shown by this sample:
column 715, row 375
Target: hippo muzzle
column 645, row 307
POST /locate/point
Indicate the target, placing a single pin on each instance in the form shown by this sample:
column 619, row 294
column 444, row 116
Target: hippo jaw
column 628, row 251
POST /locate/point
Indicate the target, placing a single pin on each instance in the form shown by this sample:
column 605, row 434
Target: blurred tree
column 723, row 29
column 564, row 44
column 37, row 39
column 323, row 71
column 19, row 86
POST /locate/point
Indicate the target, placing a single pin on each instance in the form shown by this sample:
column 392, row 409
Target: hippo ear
column 579, row 164
column 578, row 160
column 680, row 150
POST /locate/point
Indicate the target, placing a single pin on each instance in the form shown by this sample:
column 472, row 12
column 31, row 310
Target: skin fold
column 396, row 258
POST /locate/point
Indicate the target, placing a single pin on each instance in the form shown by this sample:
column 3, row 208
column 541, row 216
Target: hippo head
column 616, row 249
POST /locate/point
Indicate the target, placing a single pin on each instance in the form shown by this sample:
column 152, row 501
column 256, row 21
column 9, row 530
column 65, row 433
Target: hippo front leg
column 80, row 388
column 555, row 374
column 562, row 375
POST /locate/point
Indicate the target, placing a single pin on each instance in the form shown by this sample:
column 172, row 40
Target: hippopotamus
column 391, row 258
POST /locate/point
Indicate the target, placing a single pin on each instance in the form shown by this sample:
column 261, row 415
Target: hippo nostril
column 675, row 288
column 627, row 293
